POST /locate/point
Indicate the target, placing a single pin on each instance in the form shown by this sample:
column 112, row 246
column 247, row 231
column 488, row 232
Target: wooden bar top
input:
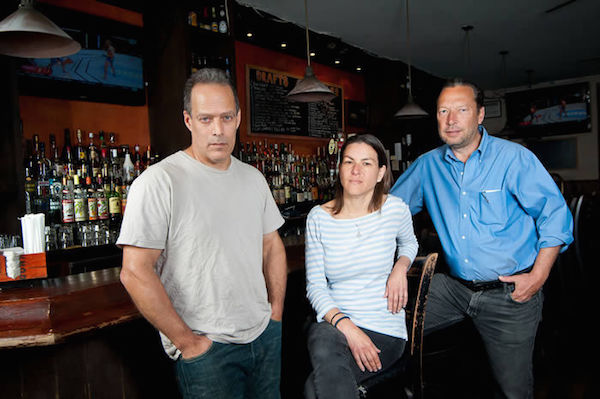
column 45, row 312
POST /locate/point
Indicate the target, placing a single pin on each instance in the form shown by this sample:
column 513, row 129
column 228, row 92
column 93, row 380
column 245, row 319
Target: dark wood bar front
column 49, row 311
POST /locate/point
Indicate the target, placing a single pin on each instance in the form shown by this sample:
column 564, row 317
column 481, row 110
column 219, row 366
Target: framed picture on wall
column 356, row 113
column 493, row 108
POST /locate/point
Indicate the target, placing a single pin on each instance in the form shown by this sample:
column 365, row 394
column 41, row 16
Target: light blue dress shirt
column 492, row 213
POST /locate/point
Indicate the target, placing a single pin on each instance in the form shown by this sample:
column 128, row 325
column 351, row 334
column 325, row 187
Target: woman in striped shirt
column 359, row 247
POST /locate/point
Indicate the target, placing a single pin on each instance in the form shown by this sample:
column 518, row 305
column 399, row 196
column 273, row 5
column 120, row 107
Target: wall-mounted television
column 108, row 68
column 563, row 109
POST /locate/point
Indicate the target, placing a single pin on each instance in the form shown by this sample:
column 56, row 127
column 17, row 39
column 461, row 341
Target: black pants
column 335, row 373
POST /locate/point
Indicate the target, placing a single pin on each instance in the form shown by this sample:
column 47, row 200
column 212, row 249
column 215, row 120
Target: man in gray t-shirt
column 202, row 258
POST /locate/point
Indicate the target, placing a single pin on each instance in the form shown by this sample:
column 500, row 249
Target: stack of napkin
column 13, row 264
column 32, row 226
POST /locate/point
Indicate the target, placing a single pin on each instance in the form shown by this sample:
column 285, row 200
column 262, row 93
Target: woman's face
column 359, row 170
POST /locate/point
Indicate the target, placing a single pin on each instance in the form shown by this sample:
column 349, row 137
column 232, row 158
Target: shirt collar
column 483, row 144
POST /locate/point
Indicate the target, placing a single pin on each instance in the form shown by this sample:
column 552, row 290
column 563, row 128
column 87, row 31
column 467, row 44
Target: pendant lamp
column 309, row 89
column 410, row 110
column 28, row 33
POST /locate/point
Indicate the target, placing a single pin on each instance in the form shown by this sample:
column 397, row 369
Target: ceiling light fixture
column 283, row 45
column 249, row 34
column 309, row 89
column 337, row 62
column 28, row 33
column 410, row 109
column 312, row 54
column 359, row 69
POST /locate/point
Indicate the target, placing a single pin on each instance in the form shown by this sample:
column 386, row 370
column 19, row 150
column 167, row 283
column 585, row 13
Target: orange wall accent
column 47, row 115
column 353, row 86
column 44, row 116
column 100, row 9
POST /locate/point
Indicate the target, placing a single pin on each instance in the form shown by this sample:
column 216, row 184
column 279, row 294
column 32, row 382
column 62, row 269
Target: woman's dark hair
column 381, row 188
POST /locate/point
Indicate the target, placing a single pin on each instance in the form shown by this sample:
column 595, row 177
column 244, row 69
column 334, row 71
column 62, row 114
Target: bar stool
column 407, row 372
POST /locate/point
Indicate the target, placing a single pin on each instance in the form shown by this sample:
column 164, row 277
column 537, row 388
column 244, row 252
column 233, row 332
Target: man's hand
column 196, row 347
column 365, row 353
column 526, row 285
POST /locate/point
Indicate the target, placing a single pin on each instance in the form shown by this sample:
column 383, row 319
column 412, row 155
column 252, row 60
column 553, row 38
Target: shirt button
column 461, row 173
column 464, row 215
column 464, row 193
column 463, row 237
column 466, row 260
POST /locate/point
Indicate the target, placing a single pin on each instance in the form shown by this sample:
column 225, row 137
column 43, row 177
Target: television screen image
column 103, row 66
column 550, row 111
column 108, row 68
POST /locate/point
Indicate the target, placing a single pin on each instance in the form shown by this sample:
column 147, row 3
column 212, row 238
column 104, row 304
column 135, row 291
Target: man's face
column 458, row 117
column 213, row 124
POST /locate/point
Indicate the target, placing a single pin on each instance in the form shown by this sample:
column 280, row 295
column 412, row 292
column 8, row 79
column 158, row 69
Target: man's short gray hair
column 207, row 75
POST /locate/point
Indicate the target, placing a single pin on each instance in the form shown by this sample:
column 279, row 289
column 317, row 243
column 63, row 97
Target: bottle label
column 102, row 208
column 92, row 209
column 114, row 205
column 68, row 211
column 80, row 208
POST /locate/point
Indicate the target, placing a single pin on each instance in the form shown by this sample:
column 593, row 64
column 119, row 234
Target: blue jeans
column 507, row 328
column 335, row 373
column 232, row 371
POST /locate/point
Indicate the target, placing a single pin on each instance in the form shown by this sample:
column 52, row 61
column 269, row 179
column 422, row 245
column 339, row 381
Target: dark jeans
column 507, row 328
column 228, row 371
column 335, row 373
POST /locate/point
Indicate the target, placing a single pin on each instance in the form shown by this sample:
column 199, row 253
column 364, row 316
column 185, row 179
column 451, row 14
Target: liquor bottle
column 124, row 194
column 147, row 160
column 116, row 168
column 67, row 200
column 93, row 156
column 112, row 143
column 92, row 201
column 114, row 204
column 128, row 169
column 80, row 152
column 101, row 199
column 138, row 166
column 44, row 170
column 30, row 188
column 102, row 138
column 57, row 163
column 66, row 145
column 79, row 201
column 222, row 19
column 54, row 213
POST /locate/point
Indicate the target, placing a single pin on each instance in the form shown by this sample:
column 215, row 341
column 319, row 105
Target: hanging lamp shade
column 410, row 110
column 28, row 33
column 309, row 89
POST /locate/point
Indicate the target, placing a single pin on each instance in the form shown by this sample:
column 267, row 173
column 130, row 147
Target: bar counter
column 45, row 312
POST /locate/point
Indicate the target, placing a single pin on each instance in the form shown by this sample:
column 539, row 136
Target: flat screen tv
column 108, row 68
column 549, row 111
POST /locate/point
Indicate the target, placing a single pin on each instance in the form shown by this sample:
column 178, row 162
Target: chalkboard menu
column 272, row 113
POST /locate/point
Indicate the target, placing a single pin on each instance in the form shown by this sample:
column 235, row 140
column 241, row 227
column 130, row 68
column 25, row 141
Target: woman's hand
column 365, row 353
column 396, row 289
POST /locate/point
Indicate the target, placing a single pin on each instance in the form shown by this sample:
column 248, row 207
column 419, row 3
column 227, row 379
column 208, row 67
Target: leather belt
column 487, row 285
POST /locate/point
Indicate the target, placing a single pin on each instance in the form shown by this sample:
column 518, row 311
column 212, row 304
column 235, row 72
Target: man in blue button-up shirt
column 502, row 222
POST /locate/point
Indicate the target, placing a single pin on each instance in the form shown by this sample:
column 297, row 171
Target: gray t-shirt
column 210, row 225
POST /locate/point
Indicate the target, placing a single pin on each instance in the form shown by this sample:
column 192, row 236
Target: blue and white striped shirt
column 348, row 262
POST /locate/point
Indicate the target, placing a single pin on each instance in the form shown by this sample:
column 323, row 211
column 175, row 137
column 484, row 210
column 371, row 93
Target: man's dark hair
column 207, row 75
column 453, row 82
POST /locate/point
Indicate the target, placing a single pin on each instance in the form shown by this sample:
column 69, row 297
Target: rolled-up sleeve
column 539, row 196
